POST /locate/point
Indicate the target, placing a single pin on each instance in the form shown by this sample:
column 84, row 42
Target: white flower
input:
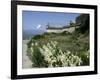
column 31, row 49
column 32, row 44
column 54, row 56
column 36, row 44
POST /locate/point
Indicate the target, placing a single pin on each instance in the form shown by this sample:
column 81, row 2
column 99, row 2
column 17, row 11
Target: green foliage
column 59, row 49
column 83, row 22
column 72, row 24
column 35, row 56
column 65, row 33
column 51, row 56
column 85, row 56
column 38, row 37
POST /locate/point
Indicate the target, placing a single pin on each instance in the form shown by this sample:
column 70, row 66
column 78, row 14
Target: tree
column 83, row 21
column 48, row 25
column 72, row 24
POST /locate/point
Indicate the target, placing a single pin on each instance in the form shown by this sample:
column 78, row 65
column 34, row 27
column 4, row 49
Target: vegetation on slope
column 61, row 49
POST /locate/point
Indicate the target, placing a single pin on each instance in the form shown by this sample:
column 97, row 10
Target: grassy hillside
column 73, row 46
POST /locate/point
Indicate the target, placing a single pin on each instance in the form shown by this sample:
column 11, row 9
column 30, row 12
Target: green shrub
column 59, row 49
column 38, row 37
column 65, row 33
column 85, row 56
column 83, row 20
column 51, row 56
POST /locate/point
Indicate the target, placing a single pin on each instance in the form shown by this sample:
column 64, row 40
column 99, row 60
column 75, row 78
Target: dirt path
column 26, row 63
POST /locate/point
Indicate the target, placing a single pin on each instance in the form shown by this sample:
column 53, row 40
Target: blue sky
column 38, row 20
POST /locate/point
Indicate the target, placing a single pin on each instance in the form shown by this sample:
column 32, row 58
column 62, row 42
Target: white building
column 61, row 29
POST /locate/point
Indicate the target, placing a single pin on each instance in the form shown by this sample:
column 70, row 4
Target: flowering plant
column 50, row 55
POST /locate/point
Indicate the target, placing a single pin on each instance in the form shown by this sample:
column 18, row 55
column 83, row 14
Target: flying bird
column 38, row 26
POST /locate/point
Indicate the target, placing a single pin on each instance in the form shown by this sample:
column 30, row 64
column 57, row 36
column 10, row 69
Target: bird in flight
column 39, row 25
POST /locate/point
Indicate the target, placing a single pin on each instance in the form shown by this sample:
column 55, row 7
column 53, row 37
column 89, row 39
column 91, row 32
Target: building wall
column 69, row 29
column 59, row 31
column 55, row 31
